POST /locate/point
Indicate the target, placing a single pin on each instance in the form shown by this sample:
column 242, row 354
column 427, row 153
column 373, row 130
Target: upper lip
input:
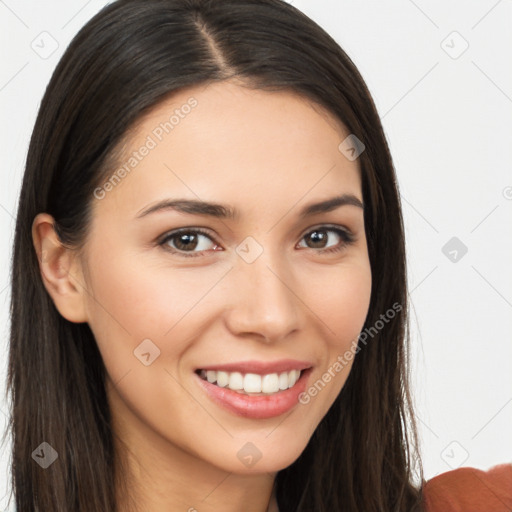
column 259, row 367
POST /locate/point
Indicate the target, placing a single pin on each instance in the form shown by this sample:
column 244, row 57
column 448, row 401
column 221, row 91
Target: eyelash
column 346, row 237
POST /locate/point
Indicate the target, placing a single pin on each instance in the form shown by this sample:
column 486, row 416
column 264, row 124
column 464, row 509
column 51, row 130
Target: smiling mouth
column 252, row 383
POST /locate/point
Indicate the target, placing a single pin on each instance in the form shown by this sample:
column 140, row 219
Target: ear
column 60, row 269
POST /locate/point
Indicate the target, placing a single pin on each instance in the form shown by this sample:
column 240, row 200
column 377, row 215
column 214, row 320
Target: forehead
column 226, row 142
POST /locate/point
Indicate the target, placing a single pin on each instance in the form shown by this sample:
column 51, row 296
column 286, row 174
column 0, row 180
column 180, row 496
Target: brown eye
column 185, row 241
column 192, row 242
column 319, row 238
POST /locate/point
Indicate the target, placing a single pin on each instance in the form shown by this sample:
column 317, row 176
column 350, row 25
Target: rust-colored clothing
column 470, row 490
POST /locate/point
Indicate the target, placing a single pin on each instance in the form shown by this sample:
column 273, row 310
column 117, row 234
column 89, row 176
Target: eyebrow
column 220, row 211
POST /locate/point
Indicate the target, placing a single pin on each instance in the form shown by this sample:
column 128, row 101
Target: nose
column 264, row 304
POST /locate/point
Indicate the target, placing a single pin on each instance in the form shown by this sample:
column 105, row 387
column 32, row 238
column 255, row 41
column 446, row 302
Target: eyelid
column 327, row 227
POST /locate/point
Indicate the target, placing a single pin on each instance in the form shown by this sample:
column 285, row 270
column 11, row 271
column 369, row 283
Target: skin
column 268, row 154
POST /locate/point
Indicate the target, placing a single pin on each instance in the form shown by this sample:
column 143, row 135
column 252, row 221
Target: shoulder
column 470, row 490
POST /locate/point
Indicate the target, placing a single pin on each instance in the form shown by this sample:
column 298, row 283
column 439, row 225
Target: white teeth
column 283, row 380
column 236, row 381
column 222, row 379
column 252, row 382
column 270, row 383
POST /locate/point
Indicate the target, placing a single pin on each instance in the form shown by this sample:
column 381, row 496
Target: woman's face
column 264, row 292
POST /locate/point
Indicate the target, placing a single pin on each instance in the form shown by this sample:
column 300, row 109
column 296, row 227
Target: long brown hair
column 124, row 61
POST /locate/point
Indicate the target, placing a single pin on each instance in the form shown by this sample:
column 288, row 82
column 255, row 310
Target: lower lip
column 257, row 407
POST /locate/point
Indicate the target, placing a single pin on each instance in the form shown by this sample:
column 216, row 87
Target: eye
column 184, row 241
column 319, row 238
column 187, row 239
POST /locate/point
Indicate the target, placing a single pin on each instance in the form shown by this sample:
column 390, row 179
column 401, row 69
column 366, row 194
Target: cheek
column 343, row 306
column 355, row 291
column 130, row 302
column 341, row 300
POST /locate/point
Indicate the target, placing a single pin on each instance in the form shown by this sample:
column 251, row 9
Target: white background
column 448, row 120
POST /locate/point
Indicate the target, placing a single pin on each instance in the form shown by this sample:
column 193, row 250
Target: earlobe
column 60, row 270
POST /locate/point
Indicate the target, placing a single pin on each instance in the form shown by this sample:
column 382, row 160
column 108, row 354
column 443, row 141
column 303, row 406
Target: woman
column 209, row 306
